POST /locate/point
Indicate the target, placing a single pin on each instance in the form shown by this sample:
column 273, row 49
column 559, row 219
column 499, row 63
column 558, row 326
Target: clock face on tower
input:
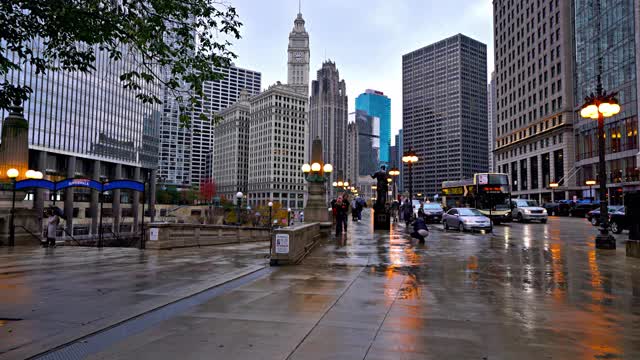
column 298, row 56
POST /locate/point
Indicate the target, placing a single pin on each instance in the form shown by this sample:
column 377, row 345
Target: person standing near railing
column 53, row 220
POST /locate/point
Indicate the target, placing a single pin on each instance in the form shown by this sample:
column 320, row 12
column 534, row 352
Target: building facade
column 328, row 117
column 376, row 104
column 534, row 69
column 352, row 157
column 491, row 119
column 87, row 125
column 607, row 34
column 231, row 149
column 445, row 111
column 400, row 151
column 277, row 147
column 368, row 141
column 299, row 56
column 183, row 151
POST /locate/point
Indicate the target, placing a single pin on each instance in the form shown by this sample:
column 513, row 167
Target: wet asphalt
column 527, row 291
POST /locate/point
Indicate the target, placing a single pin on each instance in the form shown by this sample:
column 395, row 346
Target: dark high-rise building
column 368, row 142
column 615, row 43
column 444, row 111
column 533, row 45
column 328, row 117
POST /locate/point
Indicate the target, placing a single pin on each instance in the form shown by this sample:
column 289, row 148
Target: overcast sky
column 366, row 38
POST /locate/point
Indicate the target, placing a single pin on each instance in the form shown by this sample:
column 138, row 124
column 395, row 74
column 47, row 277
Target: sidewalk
column 528, row 291
column 65, row 293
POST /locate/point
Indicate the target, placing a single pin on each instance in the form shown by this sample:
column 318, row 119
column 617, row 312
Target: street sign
column 282, row 243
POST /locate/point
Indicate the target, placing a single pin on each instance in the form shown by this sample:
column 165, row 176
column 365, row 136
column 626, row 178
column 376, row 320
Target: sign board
column 153, row 234
column 282, row 243
column 483, row 179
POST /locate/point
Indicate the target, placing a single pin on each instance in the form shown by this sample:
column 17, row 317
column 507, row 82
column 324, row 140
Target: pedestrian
column 354, row 209
column 52, row 228
column 395, row 208
column 301, row 216
column 420, row 230
column 345, row 201
column 361, row 205
column 340, row 209
column 407, row 212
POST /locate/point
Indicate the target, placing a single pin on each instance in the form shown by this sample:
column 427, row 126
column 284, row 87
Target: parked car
column 594, row 215
column 618, row 221
column 432, row 212
column 552, row 208
column 466, row 219
column 581, row 210
column 525, row 210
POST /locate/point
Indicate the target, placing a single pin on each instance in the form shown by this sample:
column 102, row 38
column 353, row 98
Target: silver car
column 466, row 219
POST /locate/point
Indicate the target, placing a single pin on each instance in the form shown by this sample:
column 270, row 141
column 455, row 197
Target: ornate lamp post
column 590, row 183
column 13, row 174
column 316, row 174
column 410, row 158
column 599, row 106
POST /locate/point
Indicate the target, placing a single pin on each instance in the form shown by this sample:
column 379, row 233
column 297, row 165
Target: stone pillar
column 136, row 201
column 38, row 202
column 528, row 162
column 68, row 194
column 152, row 195
column 95, row 199
column 115, row 205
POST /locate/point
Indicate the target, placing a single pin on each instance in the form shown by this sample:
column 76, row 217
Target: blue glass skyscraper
column 376, row 104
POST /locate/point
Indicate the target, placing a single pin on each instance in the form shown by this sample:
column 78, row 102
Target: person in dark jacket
column 341, row 210
column 407, row 212
column 420, row 230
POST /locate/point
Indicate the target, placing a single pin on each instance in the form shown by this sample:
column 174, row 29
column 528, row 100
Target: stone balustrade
column 168, row 236
column 291, row 244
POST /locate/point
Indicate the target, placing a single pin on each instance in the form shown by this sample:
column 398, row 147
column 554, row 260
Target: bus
column 488, row 192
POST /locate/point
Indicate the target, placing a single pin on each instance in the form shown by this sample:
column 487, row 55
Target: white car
column 525, row 210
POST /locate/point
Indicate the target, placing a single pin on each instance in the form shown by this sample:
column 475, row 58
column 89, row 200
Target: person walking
column 52, row 228
column 340, row 209
column 407, row 212
column 345, row 201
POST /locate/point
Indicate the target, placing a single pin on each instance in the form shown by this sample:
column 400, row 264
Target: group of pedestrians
column 342, row 206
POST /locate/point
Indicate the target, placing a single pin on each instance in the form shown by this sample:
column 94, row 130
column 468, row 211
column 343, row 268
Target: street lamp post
column 410, row 158
column 590, row 183
column 394, row 172
column 289, row 217
column 270, row 204
column 600, row 106
column 239, row 196
column 553, row 187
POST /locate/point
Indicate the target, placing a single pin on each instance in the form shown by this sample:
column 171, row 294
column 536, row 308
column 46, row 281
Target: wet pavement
column 528, row 291
column 49, row 297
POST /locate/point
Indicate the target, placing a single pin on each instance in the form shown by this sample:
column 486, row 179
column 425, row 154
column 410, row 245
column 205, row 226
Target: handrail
column 30, row 233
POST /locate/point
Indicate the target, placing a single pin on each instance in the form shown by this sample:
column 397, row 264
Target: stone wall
column 291, row 244
column 169, row 236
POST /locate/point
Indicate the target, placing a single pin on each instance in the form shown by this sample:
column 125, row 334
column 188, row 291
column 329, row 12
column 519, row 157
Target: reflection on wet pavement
column 527, row 291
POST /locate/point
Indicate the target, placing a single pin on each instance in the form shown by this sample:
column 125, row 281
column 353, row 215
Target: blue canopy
column 88, row 183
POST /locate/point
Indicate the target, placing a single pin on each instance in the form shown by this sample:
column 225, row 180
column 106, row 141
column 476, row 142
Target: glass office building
column 614, row 43
column 376, row 104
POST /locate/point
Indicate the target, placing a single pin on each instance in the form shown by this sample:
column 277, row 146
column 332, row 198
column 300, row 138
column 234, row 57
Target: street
column 529, row 291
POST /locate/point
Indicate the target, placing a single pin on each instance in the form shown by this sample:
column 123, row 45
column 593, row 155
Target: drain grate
column 94, row 343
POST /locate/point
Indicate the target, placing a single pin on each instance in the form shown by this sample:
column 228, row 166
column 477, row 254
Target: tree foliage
column 207, row 189
column 179, row 43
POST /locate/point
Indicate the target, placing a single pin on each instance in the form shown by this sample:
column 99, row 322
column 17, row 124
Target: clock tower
column 298, row 61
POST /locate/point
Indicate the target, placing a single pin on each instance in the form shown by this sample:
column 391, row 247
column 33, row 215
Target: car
column 594, row 215
column 466, row 219
column 581, row 210
column 525, row 210
column 618, row 222
column 553, row 208
column 432, row 212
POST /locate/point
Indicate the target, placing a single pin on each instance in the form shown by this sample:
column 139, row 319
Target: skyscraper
column 277, row 147
column 328, row 117
column 368, row 141
column 491, row 119
column 352, row 157
column 614, row 42
column 445, row 111
column 183, row 151
column 231, row 148
column 376, row 104
column 299, row 57
column 534, row 95
column 400, row 151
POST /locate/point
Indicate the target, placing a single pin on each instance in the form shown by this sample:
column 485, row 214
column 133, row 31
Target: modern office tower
column 400, row 152
column 534, row 95
column 491, row 106
column 376, row 104
column 298, row 57
column 183, row 151
column 328, row 117
column 368, row 141
column 277, row 147
column 231, row 149
column 445, row 111
column 352, row 157
column 615, row 45
column 87, row 125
